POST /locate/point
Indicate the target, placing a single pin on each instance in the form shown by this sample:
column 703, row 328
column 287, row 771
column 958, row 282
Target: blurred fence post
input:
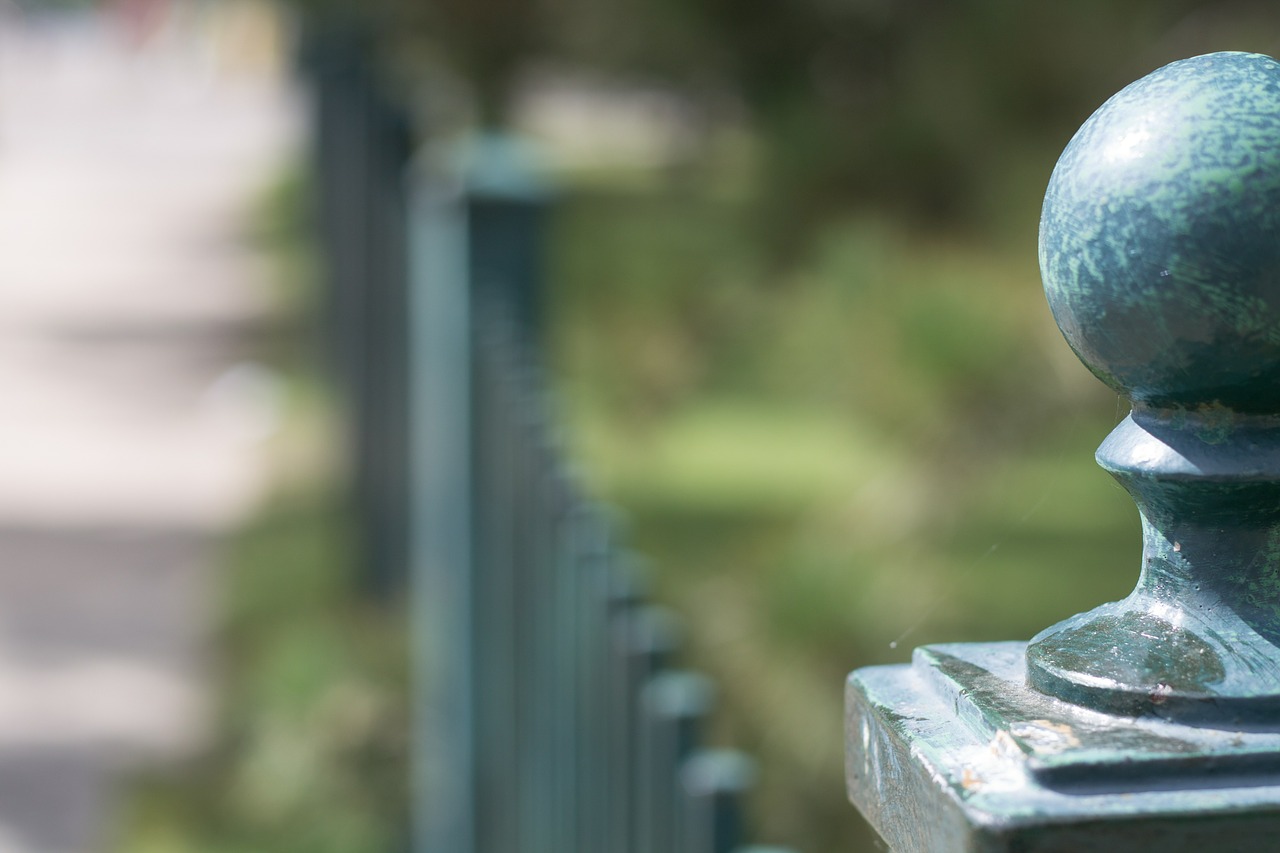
column 441, row 502
column 476, row 214
column 645, row 639
column 363, row 141
column 676, row 704
column 546, row 721
column 714, row 783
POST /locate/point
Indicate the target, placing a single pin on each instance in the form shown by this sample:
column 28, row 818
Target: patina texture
column 1160, row 254
column 1197, row 639
column 957, row 753
column 1158, row 236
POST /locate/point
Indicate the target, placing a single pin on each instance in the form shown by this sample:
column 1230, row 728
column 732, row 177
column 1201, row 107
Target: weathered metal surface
column 1158, row 236
column 1195, row 641
column 1160, row 252
column 1152, row 722
column 957, row 753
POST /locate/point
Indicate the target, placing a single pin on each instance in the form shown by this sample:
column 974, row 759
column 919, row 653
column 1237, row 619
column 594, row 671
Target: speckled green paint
column 1158, row 236
column 1160, row 253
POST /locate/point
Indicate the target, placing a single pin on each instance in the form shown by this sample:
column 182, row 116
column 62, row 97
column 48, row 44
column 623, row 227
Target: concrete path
column 129, row 426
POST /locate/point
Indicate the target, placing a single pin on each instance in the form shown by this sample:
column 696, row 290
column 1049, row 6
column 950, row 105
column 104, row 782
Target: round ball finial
column 1160, row 236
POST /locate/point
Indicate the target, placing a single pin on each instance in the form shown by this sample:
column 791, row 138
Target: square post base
column 955, row 753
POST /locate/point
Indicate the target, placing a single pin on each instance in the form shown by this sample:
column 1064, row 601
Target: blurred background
column 794, row 326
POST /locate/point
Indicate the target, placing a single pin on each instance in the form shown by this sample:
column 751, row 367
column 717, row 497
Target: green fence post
column 644, row 640
column 363, row 141
column 1151, row 723
column 627, row 584
column 481, row 581
column 714, row 782
column 444, row 588
column 676, row 705
column 594, row 604
column 502, row 431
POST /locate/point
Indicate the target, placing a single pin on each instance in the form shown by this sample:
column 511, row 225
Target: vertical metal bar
column 622, row 591
column 527, row 500
column 496, row 427
column 345, row 199
column 676, row 704
column 543, row 507
column 363, row 142
column 714, row 782
column 385, row 438
column 647, row 638
column 507, row 200
column 547, row 510
column 626, row 586
column 333, row 58
column 557, row 508
column 502, row 830
column 501, row 190
column 440, row 314
column 574, row 532
column 591, row 602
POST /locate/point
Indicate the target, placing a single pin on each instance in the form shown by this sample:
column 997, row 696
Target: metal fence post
column 363, row 142
column 626, row 585
column 441, row 510
column 474, row 245
column 714, row 782
column 498, row 429
column 676, row 705
column 1152, row 722
column 545, row 720
column 644, row 639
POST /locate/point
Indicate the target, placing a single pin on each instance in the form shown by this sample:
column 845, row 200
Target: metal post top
column 489, row 165
column 1160, row 236
column 1160, row 252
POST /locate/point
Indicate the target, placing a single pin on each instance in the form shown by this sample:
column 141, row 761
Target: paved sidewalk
column 128, row 425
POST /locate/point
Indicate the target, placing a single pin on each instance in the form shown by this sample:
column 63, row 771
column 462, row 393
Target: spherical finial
column 1160, row 236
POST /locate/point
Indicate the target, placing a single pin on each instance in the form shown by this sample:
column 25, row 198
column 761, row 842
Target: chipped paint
column 1046, row 736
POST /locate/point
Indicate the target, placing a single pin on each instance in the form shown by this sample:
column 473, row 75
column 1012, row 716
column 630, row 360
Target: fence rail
column 552, row 715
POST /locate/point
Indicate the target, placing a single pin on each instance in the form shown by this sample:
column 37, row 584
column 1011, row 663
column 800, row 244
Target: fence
column 552, row 716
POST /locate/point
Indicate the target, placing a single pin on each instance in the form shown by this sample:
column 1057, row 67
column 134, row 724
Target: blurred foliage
column 887, row 444
column 309, row 749
column 920, row 109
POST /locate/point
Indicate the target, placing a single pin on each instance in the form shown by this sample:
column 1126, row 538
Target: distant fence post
column 475, row 220
column 645, row 639
column 546, row 718
column 677, row 704
column 363, row 141
column 715, row 782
